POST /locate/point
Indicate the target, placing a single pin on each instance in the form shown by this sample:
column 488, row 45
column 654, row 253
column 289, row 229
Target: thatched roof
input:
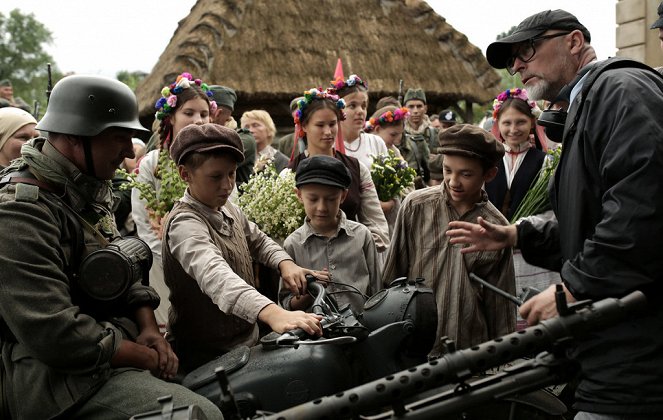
column 270, row 51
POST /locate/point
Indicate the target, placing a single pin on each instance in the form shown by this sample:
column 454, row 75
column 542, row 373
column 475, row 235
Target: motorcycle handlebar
column 462, row 364
column 292, row 336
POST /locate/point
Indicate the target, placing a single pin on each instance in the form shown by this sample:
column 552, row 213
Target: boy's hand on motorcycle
column 280, row 320
column 294, row 276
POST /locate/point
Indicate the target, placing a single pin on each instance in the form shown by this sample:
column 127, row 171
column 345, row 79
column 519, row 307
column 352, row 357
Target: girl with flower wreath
column 514, row 124
column 358, row 143
column 389, row 124
column 317, row 122
column 183, row 102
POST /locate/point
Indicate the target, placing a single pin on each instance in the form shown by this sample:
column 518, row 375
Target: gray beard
column 542, row 91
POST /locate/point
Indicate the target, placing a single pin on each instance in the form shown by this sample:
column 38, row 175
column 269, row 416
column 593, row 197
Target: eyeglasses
column 526, row 51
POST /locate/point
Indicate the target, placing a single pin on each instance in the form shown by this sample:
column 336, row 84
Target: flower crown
column 399, row 114
column 516, row 93
column 316, row 94
column 168, row 100
column 353, row 80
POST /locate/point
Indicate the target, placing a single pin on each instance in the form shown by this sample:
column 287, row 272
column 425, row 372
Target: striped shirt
column 466, row 313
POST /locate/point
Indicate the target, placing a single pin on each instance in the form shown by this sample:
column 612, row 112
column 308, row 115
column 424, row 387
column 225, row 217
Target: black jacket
column 497, row 188
column 608, row 199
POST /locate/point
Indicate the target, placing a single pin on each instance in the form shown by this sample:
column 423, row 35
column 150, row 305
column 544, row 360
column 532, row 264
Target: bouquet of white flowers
column 269, row 200
column 391, row 175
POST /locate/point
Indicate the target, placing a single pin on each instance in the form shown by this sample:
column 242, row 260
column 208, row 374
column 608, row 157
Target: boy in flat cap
column 466, row 313
column 208, row 249
column 328, row 240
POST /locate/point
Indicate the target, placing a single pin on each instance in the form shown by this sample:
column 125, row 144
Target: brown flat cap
column 471, row 141
column 204, row 138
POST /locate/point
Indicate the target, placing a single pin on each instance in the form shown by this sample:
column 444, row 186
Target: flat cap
column 324, row 170
column 205, row 138
column 224, row 96
column 412, row 93
column 499, row 52
column 471, row 141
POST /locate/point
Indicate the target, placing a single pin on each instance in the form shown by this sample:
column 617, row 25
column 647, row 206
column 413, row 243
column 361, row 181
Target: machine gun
column 402, row 392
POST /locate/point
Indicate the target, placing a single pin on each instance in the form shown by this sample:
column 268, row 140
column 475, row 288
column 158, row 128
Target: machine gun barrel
column 462, row 364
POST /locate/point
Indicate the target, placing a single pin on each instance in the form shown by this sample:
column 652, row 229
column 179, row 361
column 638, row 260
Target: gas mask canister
column 107, row 273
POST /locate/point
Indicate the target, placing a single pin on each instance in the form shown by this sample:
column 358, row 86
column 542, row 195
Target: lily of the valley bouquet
column 391, row 175
column 536, row 199
column 269, row 200
column 172, row 188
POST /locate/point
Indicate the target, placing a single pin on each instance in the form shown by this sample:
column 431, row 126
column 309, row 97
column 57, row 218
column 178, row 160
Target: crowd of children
column 350, row 240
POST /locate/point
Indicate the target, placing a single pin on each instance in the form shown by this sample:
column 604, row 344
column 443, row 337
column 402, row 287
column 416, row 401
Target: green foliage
column 509, row 81
column 505, row 34
column 391, row 175
column 22, row 56
column 131, row 78
column 159, row 203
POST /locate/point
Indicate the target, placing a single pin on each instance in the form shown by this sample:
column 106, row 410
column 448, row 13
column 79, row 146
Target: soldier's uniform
column 58, row 339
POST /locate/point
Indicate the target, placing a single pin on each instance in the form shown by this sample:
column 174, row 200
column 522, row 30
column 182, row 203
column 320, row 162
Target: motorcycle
column 370, row 365
column 447, row 387
column 395, row 332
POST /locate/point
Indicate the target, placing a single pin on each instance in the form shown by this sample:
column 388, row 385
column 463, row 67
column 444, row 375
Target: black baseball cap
column 499, row 52
column 659, row 22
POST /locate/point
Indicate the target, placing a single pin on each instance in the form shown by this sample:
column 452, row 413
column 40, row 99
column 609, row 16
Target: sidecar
column 286, row 370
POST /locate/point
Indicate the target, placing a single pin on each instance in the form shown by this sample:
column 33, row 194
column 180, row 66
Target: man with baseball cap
column 609, row 205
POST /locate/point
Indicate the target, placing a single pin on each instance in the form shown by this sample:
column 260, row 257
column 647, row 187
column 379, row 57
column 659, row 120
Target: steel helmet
column 86, row 105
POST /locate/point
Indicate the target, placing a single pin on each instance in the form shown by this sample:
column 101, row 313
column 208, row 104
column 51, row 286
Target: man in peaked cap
column 419, row 130
column 659, row 25
column 447, row 119
column 608, row 205
column 7, row 96
column 226, row 98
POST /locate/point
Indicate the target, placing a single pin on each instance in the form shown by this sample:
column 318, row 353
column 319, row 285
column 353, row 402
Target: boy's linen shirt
column 350, row 256
column 193, row 248
column 420, row 248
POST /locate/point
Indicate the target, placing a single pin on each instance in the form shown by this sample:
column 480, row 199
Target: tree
column 23, row 58
column 505, row 34
column 130, row 78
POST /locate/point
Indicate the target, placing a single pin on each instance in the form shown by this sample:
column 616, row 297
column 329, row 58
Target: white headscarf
column 11, row 120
